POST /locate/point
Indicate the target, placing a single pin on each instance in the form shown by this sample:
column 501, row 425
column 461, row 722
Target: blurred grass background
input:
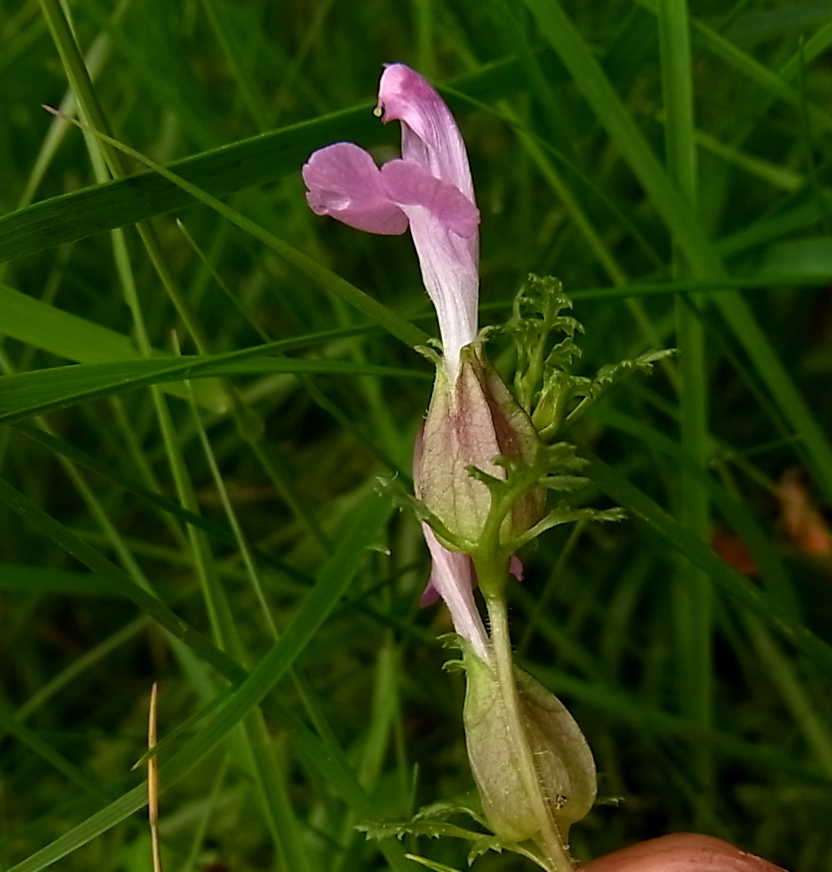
column 669, row 165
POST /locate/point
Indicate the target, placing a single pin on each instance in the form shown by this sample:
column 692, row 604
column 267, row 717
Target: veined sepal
column 564, row 768
column 473, row 421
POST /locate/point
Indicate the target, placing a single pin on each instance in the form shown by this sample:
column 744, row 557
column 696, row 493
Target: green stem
column 549, row 841
column 692, row 595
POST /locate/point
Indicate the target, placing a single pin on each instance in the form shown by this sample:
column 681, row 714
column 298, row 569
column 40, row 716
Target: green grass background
column 202, row 382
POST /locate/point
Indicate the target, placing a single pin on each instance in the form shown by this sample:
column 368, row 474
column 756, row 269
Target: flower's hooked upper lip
column 430, row 135
column 428, row 190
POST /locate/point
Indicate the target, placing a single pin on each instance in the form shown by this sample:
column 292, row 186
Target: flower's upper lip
column 430, row 135
column 449, row 260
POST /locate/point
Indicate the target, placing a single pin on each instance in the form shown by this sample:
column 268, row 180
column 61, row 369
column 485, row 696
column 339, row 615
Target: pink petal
column 345, row 183
column 682, row 852
column 452, row 577
column 410, row 184
column 451, row 278
column 430, row 594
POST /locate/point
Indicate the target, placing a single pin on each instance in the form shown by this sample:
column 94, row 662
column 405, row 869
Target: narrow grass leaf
column 48, row 328
column 772, row 571
column 772, row 82
column 334, row 767
column 119, row 581
column 682, row 226
column 86, row 831
column 334, row 579
column 738, row 588
column 30, row 739
column 659, row 723
column 810, row 256
column 154, row 498
column 26, row 394
column 39, row 581
column 42, row 326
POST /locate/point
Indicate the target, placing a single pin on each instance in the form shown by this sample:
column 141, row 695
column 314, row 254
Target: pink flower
column 472, row 417
column 428, row 190
column 682, row 852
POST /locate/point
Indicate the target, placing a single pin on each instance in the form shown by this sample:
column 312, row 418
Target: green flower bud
column 473, row 419
column 563, row 765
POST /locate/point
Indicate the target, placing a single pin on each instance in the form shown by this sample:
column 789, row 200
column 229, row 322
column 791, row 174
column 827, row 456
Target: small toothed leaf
column 610, row 375
column 432, row 821
column 468, row 804
column 544, row 384
column 535, row 316
column 377, row 830
column 566, row 514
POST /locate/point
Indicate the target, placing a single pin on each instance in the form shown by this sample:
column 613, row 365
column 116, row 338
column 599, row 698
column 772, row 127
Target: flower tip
column 396, row 79
column 405, row 95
